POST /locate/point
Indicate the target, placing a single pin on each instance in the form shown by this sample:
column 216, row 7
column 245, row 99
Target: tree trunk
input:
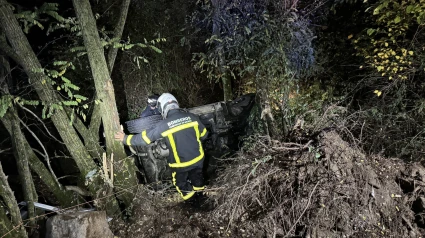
column 30, row 63
column 216, row 29
column 23, row 168
column 96, row 118
column 119, row 28
column 125, row 168
column 5, row 225
column 266, row 110
column 12, row 206
column 227, row 88
column 20, row 154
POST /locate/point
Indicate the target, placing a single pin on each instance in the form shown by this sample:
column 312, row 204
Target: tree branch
column 91, row 140
column 118, row 30
column 38, row 118
column 46, row 155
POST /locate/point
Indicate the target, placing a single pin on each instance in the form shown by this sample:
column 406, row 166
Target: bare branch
column 119, row 28
column 44, row 125
column 46, row 155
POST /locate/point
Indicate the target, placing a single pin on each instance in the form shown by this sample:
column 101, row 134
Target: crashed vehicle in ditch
column 226, row 122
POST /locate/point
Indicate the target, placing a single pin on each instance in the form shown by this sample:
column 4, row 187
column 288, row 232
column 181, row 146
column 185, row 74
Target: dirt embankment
column 327, row 188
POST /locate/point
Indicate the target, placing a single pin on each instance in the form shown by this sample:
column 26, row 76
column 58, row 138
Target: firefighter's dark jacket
column 183, row 133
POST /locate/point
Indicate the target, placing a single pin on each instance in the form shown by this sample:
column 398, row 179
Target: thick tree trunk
column 30, row 63
column 119, row 28
column 9, row 199
column 125, row 168
column 96, row 118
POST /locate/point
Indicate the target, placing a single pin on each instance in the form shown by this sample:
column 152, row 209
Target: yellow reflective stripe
column 198, row 188
column 204, row 132
column 191, row 162
column 174, row 182
column 174, row 148
column 179, row 128
column 189, row 195
column 188, row 163
column 185, row 197
column 145, row 137
column 128, row 140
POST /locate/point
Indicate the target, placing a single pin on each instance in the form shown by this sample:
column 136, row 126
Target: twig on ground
column 305, row 209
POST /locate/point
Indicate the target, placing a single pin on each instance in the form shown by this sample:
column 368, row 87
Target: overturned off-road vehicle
column 225, row 122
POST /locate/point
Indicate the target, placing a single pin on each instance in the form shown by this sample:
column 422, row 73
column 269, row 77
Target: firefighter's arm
column 144, row 138
column 202, row 130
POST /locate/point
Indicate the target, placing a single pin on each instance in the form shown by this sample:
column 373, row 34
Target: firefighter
column 183, row 132
column 151, row 108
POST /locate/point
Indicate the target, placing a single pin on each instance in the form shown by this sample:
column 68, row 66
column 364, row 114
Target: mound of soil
column 326, row 188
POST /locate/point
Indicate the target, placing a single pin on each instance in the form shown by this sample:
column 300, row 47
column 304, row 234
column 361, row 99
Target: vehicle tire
column 140, row 124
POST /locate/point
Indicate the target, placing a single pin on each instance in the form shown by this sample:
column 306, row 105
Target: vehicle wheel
column 141, row 124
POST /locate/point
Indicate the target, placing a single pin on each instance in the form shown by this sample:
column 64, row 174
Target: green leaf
column 70, row 103
column 155, row 49
column 376, row 11
column 60, row 63
column 397, row 19
column 409, row 8
column 65, row 80
column 248, row 31
column 370, row 31
column 80, row 97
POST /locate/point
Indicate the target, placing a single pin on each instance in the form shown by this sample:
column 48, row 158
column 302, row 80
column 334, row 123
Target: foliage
column 386, row 45
column 258, row 44
column 55, row 78
column 388, row 113
column 251, row 36
column 34, row 18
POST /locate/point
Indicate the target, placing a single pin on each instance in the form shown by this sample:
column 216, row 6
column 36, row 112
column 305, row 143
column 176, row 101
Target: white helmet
column 166, row 102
